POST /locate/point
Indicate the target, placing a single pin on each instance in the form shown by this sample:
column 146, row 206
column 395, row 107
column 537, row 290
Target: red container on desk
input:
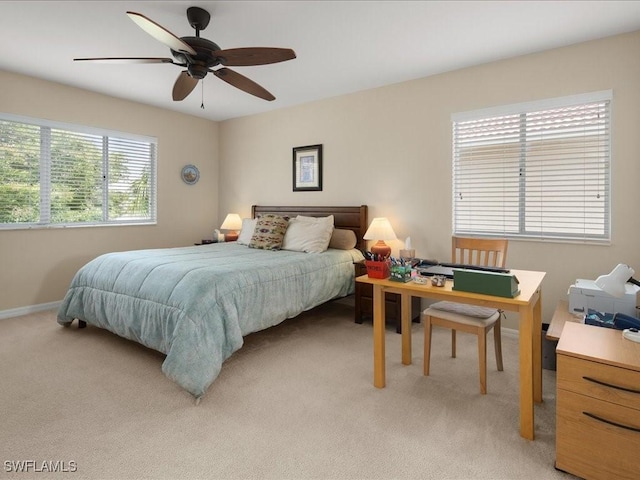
column 377, row 269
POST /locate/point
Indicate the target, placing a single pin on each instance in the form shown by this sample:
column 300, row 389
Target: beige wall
column 390, row 148
column 37, row 265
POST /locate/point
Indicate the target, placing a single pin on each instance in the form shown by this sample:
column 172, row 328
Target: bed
column 195, row 304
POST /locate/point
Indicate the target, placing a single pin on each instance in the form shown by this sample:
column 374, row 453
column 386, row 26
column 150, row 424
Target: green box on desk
column 485, row 282
column 400, row 273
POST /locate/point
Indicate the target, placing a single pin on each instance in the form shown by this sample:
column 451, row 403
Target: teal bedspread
column 196, row 303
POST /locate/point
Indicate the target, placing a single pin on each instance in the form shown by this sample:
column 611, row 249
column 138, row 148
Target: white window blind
column 63, row 175
column 534, row 170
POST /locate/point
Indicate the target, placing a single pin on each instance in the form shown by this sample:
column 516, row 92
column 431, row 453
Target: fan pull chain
column 202, row 84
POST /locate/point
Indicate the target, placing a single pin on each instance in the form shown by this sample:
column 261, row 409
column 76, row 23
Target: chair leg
column 497, row 340
column 453, row 343
column 427, row 344
column 482, row 359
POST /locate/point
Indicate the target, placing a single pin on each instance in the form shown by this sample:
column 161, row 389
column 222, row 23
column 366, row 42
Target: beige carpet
column 297, row 401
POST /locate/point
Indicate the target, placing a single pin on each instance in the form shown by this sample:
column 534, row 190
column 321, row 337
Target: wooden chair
column 468, row 318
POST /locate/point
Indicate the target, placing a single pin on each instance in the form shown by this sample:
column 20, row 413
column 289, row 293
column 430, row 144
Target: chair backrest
column 486, row 252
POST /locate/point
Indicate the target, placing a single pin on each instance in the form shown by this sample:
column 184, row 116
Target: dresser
column 598, row 403
column 364, row 302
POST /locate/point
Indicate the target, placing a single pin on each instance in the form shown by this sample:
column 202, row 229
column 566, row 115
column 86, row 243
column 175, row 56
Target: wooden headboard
column 352, row 218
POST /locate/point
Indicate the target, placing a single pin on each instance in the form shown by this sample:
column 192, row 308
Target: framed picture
column 307, row 168
column 190, row 174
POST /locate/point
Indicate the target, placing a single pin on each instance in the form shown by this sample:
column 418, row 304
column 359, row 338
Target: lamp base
column 231, row 236
column 381, row 249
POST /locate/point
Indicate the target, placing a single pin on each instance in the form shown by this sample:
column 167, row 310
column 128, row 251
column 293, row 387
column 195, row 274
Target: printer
column 585, row 295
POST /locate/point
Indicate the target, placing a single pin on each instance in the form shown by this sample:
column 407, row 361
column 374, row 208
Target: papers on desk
column 434, row 270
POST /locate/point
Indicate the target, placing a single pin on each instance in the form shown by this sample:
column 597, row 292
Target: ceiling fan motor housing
column 205, row 57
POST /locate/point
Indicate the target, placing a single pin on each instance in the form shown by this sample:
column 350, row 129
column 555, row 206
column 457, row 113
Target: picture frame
column 190, row 174
column 307, row 168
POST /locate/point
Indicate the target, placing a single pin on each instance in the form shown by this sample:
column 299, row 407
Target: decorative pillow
column 343, row 239
column 308, row 234
column 248, row 227
column 269, row 232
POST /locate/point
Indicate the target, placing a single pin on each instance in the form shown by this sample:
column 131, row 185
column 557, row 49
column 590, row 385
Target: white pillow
column 248, row 226
column 308, row 234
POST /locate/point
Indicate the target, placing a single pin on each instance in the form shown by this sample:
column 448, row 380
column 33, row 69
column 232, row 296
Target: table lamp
column 380, row 230
column 233, row 223
column 614, row 283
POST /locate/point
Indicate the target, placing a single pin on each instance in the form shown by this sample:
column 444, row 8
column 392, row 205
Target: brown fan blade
column 243, row 83
column 184, row 86
column 160, row 33
column 246, row 57
column 125, row 60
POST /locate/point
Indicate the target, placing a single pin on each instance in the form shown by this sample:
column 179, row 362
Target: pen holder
column 377, row 269
column 401, row 273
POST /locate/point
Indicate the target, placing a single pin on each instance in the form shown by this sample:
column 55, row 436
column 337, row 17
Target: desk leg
column 378, row 337
column 405, row 307
column 526, row 372
column 537, row 350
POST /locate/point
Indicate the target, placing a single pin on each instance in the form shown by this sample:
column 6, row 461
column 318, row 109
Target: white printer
column 585, row 294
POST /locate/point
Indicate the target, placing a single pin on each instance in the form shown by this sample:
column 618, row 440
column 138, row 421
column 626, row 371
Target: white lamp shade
column 614, row 283
column 231, row 222
column 380, row 229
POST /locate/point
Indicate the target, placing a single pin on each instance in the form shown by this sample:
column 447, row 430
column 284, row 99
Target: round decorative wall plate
column 190, row 174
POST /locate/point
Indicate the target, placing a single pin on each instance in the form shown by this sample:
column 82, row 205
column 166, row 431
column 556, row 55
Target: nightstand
column 364, row 302
column 598, row 403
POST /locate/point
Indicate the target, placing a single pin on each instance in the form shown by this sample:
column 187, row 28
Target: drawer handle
column 610, row 385
column 627, row 427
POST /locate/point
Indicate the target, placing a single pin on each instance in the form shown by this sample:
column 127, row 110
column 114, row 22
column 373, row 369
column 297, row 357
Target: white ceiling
column 341, row 46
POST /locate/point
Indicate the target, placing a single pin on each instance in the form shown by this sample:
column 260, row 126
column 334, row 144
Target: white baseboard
column 17, row 312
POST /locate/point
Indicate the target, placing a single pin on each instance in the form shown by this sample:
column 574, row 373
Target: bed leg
column 198, row 400
column 81, row 323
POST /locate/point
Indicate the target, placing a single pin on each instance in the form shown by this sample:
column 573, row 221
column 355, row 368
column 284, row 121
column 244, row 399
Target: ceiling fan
column 199, row 56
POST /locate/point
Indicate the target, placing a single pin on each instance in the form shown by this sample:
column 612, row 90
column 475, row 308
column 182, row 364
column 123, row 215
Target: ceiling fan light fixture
column 197, row 71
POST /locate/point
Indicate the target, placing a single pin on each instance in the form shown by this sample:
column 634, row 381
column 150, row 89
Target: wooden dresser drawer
column 606, row 382
column 592, row 448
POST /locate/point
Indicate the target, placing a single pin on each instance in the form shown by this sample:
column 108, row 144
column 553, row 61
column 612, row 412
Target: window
column 61, row 175
column 537, row 170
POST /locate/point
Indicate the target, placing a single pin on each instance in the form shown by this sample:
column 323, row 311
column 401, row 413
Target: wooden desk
column 527, row 304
